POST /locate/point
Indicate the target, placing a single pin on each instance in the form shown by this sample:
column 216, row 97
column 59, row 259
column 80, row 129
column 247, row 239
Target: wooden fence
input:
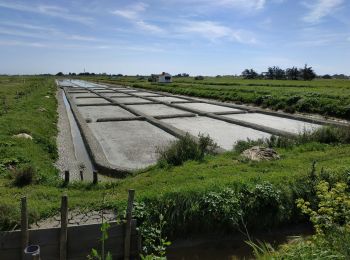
column 72, row 242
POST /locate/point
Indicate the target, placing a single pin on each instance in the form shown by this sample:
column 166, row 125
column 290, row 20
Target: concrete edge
column 93, row 146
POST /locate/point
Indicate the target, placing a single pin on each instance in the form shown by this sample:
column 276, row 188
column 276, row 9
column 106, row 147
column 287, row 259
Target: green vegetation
column 331, row 220
column 30, row 108
column 321, row 96
column 325, row 135
column 186, row 148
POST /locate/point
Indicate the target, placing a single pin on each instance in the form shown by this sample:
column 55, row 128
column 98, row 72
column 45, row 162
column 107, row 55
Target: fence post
column 95, row 178
column 24, row 225
column 64, row 224
column 81, row 175
column 66, row 177
column 128, row 225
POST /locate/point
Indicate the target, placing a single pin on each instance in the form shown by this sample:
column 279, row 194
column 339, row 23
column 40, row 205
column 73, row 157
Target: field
column 325, row 97
column 264, row 193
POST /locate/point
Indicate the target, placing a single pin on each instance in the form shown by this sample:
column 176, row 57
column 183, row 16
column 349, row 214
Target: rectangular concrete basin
column 87, row 94
column 86, row 101
column 105, row 91
column 115, row 94
column 131, row 100
column 157, row 109
column 280, row 123
column 130, row 144
column 128, row 90
column 168, row 99
column 224, row 134
column 204, row 107
column 96, row 112
column 145, row 94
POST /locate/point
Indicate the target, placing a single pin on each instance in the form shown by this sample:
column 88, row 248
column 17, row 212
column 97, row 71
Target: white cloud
column 244, row 4
column 22, row 43
column 320, row 9
column 49, row 10
column 133, row 14
column 149, row 27
column 41, row 32
column 214, row 31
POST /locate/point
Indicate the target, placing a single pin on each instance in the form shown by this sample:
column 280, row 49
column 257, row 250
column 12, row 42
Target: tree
column 292, row 73
column 275, row 72
column 60, row 74
column 307, row 73
column 249, row 74
column 327, row 76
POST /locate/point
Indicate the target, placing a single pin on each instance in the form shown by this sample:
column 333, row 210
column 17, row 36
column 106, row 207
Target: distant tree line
column 184, row 75
column 276, row 72
column 88, row 74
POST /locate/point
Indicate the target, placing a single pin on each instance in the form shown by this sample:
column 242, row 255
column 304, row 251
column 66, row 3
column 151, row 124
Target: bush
column 331, row 220
column 186, row 148
column 24, row 175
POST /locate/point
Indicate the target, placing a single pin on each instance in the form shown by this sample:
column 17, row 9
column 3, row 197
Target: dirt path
column 67, row 159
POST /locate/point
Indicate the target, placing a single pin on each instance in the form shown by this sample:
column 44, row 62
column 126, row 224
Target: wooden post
column 66, row 177
column 24, row 225
column 128, row 225
column 81, row 175
column 95, row 178
column 64, row 224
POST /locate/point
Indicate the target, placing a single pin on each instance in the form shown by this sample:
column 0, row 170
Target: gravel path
column 67, row 159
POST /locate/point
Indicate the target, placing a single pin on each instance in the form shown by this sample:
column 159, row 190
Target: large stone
column 24, row 136
column 258, row 153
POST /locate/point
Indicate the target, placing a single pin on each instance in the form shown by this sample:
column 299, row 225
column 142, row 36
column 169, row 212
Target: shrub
column 331, row 220
column 24, row 175
column 186, row 148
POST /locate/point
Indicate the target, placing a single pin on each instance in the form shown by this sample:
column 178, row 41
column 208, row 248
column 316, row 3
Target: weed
column 186, row 148
column 24, row 175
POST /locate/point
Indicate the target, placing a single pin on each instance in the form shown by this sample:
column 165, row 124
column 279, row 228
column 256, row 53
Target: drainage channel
column 81, row 154
column 218, row 247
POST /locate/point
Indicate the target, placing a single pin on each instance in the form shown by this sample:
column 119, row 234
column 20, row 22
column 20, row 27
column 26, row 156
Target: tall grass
column 325, row 135
column 186, row 148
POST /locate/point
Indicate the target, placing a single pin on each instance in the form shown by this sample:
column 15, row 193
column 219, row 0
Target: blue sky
column 207, row 37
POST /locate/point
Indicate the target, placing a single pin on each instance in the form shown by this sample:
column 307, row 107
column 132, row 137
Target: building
column 161, row 78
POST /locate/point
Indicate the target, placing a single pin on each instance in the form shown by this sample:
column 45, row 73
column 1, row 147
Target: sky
column 199, row 37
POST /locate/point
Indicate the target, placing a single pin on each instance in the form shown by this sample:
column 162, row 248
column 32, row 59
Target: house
column 161, row 78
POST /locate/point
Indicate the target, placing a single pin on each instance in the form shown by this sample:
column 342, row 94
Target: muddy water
column 217, row 247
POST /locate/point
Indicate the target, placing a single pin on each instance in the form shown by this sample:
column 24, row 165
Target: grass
column 183, row 194
column 321, row 96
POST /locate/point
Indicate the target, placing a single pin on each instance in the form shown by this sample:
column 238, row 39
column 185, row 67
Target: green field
column 320, row 96
column 264, row 193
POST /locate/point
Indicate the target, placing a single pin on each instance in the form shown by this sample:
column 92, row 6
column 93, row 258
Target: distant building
column 161, row 78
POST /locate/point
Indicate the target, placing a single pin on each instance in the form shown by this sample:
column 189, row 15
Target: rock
column 41, row 109
column 23, row 135
column 47, row 96
column 258, row 153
